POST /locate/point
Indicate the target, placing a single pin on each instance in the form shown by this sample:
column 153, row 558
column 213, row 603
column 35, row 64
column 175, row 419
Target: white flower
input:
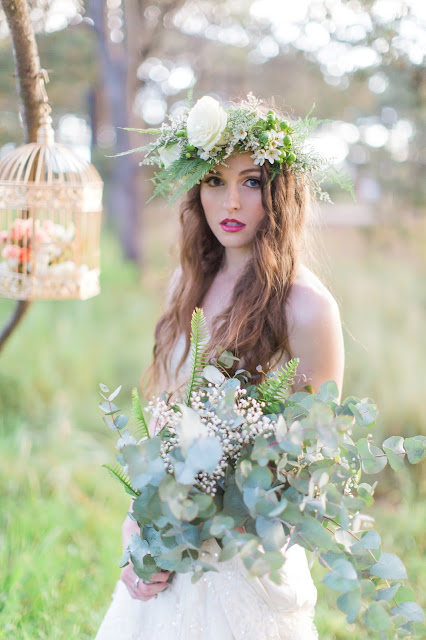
column 278, row 137
column 272, row 155
column 204, row 155
column 169, row 154
column 259, row 156
column 206, row 123
column 240, row 134
column 125, row 440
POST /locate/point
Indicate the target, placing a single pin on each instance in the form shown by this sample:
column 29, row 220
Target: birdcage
column 50, row 216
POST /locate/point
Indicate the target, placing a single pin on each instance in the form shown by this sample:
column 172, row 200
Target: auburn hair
column 254, row 327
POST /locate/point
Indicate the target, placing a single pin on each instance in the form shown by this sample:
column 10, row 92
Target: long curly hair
column 254, row 326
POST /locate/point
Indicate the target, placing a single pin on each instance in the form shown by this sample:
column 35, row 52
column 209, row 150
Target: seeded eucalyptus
column 289, row 467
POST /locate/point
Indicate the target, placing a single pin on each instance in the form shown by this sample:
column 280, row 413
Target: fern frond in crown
column 141, row 424
column 199, row 340
column 277, row 386
column 119, row 475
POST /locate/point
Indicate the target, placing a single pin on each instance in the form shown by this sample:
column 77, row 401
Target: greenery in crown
column 288, row 467
column 194, row 142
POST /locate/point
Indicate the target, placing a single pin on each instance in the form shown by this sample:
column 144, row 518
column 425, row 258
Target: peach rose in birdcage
column 51, row 244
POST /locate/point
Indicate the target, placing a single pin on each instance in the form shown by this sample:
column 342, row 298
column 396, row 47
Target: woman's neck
column 235, row 261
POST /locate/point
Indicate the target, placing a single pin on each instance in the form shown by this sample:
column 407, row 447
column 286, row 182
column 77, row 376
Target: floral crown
column 191, row 144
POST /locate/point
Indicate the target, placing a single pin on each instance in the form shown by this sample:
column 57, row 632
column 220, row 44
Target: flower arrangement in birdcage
column 53, row 243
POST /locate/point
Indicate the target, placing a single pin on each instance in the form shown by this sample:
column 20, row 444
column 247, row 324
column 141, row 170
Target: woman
column 241, row 261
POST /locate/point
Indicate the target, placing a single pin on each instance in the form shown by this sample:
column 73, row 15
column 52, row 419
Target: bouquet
column 284, row 466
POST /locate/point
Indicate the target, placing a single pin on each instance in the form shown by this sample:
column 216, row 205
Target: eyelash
column 211, row 178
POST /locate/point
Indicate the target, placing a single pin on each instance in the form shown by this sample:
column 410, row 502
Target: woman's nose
column 232, row 198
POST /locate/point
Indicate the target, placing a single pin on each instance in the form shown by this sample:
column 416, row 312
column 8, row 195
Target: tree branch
column 27, row 64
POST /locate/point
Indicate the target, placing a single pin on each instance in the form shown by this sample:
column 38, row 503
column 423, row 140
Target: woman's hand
column 136, row 587
column 140, row 590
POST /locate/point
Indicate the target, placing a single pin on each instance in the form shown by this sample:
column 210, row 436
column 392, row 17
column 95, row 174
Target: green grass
column 61, row 513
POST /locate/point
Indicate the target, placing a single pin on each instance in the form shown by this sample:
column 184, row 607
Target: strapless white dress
column 223, row 605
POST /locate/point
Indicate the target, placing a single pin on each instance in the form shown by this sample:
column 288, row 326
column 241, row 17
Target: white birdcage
column 50, row 217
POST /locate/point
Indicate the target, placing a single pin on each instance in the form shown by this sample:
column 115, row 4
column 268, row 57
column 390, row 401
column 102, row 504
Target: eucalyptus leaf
column 415, row 449
column 410, row 610
column 328, row 391
column 228, row 551
column 350, row 604
column 342, row 576
column 109, row 423
column 369, row 540
column 271, row 532
column 114, row 394
column 394, row 449
column 311, row 534
column 221, row 525
column 373, row 459
column 258, row 477
column 227, row 359
column 108, row 407
column 389, row 567
column 213, row 375
column 121, row 421
column 377, row 618
column 388, row 593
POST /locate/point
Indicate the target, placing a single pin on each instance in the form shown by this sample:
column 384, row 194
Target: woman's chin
column 232, row 241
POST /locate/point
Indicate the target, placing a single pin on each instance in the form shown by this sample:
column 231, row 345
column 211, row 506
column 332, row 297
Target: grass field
column 60, row 512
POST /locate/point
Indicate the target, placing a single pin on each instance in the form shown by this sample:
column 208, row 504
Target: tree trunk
column 27, row 64
column 118, row 66
column 124, row 203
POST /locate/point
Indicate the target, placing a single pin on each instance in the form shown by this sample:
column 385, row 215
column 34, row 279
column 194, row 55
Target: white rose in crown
column 169, row 154
column 206, row 124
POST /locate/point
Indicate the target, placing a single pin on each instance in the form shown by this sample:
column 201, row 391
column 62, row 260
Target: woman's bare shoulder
column 315, row 331
column 309, row 300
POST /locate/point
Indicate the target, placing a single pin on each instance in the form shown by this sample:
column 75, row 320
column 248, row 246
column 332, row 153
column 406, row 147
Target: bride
column 241, row 260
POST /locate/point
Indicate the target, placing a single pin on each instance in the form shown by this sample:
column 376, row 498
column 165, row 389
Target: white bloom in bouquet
column 168, row 155
column 206, row 123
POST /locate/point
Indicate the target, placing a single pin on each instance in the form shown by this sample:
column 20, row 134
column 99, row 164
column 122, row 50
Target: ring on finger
column 136, row 582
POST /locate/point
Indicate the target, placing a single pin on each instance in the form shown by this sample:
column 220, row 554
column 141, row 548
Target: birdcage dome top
column 45, row 173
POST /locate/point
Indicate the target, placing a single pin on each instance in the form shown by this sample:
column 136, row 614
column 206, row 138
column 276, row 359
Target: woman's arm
column 315, row 332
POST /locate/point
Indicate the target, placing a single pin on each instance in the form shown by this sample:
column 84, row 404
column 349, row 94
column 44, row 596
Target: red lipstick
column 231, row 225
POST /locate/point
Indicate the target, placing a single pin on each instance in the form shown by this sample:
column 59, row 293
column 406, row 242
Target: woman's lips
column 231, row 225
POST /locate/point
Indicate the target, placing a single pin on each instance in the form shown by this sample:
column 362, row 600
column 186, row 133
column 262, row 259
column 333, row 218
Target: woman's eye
column 253, row 182
column 214, row 181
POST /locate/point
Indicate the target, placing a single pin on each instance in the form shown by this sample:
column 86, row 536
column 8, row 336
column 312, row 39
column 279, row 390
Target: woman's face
column 232, row 201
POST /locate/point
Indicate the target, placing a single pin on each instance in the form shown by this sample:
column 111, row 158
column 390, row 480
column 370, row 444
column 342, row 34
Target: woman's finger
column 160, row 577
column 148, row 591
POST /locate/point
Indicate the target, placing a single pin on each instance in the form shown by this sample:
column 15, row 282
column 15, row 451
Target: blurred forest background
column 126, row 63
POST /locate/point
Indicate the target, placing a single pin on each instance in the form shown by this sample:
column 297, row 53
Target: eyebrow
column 254, row 169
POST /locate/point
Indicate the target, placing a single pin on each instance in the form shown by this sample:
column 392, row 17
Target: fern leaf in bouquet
column 141, row 424
column 199, row 339
column 276, row 387
column 122, row 477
